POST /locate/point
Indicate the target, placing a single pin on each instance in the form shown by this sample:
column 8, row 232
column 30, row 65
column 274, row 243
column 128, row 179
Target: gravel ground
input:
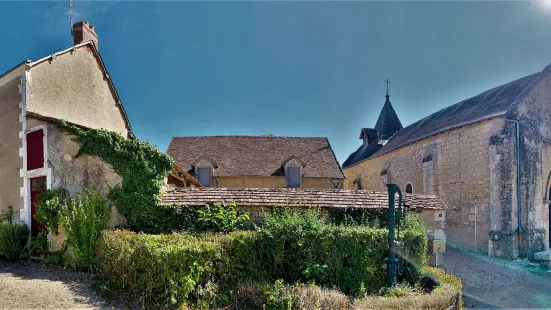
column 497, row 283
column 34, row 285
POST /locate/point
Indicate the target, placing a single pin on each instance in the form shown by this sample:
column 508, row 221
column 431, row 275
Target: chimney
column 369, row 136
column 83, row 32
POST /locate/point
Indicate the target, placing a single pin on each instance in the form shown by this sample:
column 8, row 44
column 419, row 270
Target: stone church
column 488, row 157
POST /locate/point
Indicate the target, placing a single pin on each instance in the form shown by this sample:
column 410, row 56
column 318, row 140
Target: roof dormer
column 294, row 170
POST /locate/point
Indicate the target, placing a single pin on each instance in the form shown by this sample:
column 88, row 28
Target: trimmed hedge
column 179, row 269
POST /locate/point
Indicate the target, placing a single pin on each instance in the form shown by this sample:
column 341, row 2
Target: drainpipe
column 517, row 146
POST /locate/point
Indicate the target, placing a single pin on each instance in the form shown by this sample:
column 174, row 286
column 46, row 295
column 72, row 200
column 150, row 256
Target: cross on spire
column 387, row 82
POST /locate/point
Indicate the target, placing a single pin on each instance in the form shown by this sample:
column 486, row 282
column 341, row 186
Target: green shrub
column 220, row 218
column 13, row 237
column 293, row 246
column 39, row 244
column 83, row 221
column 7, row 215
column 160, row 271
column 48, row 210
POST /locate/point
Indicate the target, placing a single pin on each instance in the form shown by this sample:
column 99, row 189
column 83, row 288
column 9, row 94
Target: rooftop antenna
column 71, row 15
column 387, row 82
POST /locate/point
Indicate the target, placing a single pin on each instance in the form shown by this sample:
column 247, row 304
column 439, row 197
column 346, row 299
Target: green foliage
column 293, row 246
column 412, row 249
column 358, row 216
column 220, row 218
column 161, row 271
column 8, row 215
column 141, row 166
column 277, row 298
column 13, row 237
column 48, row 209
column 83, row 221
column 39, row 244
column 298, row 246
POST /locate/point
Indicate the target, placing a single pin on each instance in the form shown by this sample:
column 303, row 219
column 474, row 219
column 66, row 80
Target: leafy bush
column 13, row 237
column 159, row 270
column 7, row 215
column 220, row 218
column 83, row 221
column 351, row 216
column 293, row 246
column 351, row 259
column 39, row 245
column 48, row 210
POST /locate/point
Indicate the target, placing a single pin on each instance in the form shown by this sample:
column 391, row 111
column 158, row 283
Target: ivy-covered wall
column 141, row 167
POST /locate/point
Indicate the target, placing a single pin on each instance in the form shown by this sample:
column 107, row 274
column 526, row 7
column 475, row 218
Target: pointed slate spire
column 388, row 122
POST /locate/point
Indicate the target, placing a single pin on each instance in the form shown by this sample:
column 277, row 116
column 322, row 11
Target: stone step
column 544, row 258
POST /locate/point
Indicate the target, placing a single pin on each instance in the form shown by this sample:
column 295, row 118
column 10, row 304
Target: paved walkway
column 497, row 283
column 33, row 285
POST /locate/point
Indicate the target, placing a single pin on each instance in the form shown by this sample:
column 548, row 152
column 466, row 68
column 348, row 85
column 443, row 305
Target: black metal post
column 391, row 260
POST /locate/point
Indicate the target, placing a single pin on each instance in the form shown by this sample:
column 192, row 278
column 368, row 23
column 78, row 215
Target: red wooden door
column 38, row 185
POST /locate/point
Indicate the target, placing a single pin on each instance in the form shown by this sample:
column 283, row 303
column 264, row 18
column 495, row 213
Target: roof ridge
column 489, row 104
column 246, row 136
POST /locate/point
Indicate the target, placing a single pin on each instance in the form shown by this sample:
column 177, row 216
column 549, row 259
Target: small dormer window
column 293, row 177
column 204, row 176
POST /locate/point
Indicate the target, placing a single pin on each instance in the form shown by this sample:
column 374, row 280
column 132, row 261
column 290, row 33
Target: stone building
column 35, row 153
column 488, row 157
column 258, row 161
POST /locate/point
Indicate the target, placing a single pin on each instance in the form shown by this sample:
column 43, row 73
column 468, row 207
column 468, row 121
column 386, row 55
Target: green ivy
column 141, row 166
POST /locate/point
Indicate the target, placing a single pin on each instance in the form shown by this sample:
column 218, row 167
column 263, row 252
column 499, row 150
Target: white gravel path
column 34, row 285
column 497, row 283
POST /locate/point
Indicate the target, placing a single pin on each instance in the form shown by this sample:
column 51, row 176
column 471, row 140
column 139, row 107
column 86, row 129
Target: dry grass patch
column 447, row 295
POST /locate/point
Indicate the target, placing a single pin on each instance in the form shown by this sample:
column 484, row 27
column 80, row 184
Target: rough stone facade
column 449, row 165
column 473, row 168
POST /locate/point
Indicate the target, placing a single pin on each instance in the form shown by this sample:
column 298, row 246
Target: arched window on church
column 357, row 183
column 409, row 189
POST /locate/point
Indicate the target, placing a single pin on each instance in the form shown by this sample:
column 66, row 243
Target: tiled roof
column 491, row 103
column 388, row 122
column 363, row 152
column 293, row 197
column 256, row 155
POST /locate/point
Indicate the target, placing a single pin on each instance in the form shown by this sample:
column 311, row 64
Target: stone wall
column 534, row 114
column 10, row 162
column 75, row 173
column 453, row 165
column 74, row 88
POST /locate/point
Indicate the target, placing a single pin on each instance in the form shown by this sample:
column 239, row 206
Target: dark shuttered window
column 293, row 177
column 35, row 149
column 204, row 176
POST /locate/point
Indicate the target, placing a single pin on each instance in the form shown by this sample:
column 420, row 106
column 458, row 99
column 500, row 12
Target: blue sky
column 289, row 68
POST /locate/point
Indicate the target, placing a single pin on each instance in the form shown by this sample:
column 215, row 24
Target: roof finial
column 387, row 82
column 71, row 15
